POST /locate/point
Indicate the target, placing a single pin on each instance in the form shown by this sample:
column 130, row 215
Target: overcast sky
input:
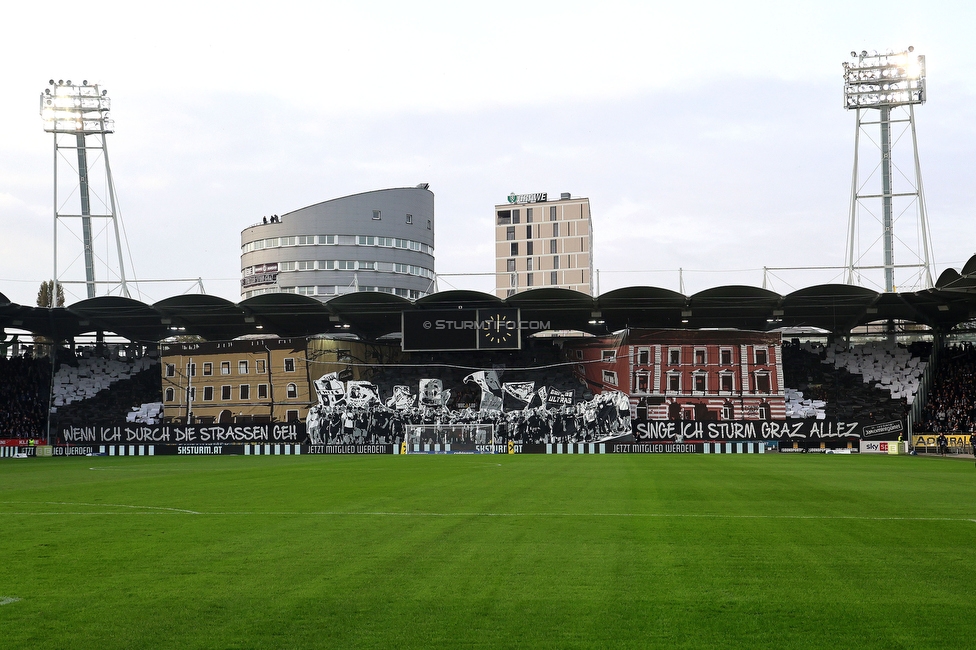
column 707, row 136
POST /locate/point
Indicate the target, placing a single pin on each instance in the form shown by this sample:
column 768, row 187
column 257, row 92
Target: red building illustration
column 687, row 374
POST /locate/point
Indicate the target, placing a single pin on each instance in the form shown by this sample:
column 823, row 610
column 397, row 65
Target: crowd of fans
column 606, row 415
column 24, row 389
column 951, row 406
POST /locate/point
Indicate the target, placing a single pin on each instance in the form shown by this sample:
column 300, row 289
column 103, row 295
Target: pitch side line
column 161, row 510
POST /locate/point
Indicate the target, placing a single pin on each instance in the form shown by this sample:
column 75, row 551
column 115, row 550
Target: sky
column 708, row 137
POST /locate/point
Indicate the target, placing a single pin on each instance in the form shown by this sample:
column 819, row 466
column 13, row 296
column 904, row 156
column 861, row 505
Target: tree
column 44, row 294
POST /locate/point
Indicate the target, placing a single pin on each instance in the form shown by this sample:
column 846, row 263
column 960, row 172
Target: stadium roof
column 836, row 308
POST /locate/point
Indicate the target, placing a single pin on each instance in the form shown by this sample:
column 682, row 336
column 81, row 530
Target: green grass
column 488, row 551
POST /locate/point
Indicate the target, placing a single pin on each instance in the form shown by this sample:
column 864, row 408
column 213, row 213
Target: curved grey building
column 373, row 241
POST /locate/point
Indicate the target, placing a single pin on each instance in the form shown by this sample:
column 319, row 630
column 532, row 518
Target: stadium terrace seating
column 24, row 383
column 150, row 413
column 91, row 375
column 875, row 382
column 887, row 365
column 126, row 391
column 951, row 405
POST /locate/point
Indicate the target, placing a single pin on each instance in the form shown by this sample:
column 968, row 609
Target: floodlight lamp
column 853, row 54
column 911, row 48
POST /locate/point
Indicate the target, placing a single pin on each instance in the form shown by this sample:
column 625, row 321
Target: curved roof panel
column 211, row 317
column 288, row 314
column 458, row 297
column 130, row 318
column 369, row 314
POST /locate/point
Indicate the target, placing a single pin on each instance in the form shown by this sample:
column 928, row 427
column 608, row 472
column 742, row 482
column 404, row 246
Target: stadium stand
column 875, row 382
column 951, row 405
column 24, row 383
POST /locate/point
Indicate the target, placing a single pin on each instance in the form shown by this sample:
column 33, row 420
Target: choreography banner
column 745, row 430
column 178, row 434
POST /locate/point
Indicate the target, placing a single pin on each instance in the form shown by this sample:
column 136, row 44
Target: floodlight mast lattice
column 887, row 81
column 82, row 111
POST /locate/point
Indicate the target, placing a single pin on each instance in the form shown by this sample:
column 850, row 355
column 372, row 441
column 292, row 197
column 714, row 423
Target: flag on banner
column 329, row 389
column 490, row 402
column 543, row 394
column 430, row 392
column 402, row 399
column 487, row 380
column 361, row 393
column 520, row 390
column 558, row 398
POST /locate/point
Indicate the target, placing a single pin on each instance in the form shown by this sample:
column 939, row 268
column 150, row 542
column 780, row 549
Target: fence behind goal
column 468, row 438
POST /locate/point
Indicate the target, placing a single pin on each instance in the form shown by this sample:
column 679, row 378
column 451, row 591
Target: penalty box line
column 162, row 510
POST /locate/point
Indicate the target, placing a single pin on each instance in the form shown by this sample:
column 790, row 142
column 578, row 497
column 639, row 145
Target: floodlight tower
column 891, row 83
column 78, row 116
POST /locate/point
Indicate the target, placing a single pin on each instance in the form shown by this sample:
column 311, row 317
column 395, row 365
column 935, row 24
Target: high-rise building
column 543, row 243
column 374, row 241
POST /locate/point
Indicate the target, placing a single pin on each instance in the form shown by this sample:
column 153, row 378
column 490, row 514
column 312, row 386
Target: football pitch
column 629, row 551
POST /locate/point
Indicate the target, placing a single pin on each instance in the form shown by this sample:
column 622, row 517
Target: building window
column 529, row 249
column 552, row 213
column 674, row 382
column 292, row 391
column 726, row 383
column 170, row 370
column 764, row 411
column 289, row 364
column 728, row 411
column 554, row 277
column 514, row 250
column 259, row 366
column 726, row 357
column 674, row 356
column 510, row 233
column 242, row 367
column 762, row 383
column 643, row 357
column 528, row 278
column 208, row 393
column 514, row 280
column 377, row 215
column 643, row 382
column 700, row 356
column 245, row 392
column 516, row 216
column 428, row 224
column 608, row 356
column 504, row 217
column 700, row 382
column 528, row 232
column 191, row 369
column 553, row 247
column 225, row 392
column 528, row 263
column 555, row 261
column 208, row 369
column 170, row 394
column 510, row 265
column 291, row 415
column 262, row 391
column 409, row 219
column 555, row 230
column 610, row 377
column 761, row 359
column 225, row 367
column 528, row 215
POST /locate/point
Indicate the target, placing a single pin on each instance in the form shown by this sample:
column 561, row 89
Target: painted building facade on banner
column 687, row 374
column 250, row 380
